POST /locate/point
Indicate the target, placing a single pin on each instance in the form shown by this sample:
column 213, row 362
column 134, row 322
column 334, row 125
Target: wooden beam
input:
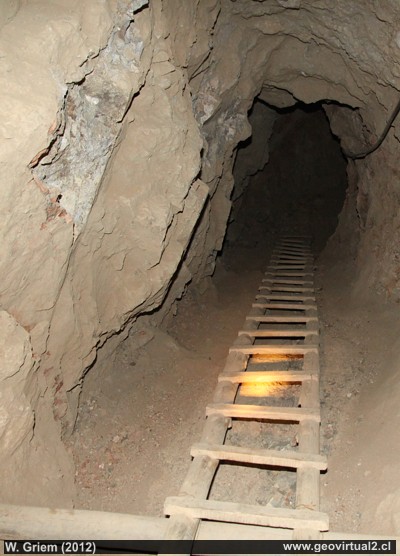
column 28, row 522
column 245, row 513
column 50, row 523
column 284, row 349
column 285, row 306
column 247, row 411
column 288, row 281
column 287, row 288
column 279, row 333
column 279, row 319
column 306, row 253
column 278, row 257
column 308, row 480
column 287, row 266
column 275, row 458
column 264, row 376
column 285, row 297
column 289, row 273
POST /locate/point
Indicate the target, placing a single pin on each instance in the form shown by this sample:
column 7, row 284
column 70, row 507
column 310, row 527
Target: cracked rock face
column 120, row 123
column 89, row 123
column 102, row 196
column 16, row 415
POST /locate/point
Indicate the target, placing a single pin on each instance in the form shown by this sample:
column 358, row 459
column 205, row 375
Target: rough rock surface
column 106, row 107
column 120, row 123
column 16, row 418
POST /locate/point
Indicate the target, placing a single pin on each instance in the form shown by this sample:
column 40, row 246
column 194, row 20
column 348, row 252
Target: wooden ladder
column 286, row 302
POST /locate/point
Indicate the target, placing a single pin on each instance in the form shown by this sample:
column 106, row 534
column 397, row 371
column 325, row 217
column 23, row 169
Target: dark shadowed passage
column 290, row 174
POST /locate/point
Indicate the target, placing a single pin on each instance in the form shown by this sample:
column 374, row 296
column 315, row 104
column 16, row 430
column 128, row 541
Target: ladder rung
column 247, row 411
column 273, row 267
column 278, row 333
column 292, row 246
column 292, row 257
column 295, row 258
column 285, row 306
column 273, row 349
column 288, row 281
column 288, row 289
column 278, row 319
column 278, row 458
column 285, row 297
column 292, row 262
column 292, row 251
column 232, row 512
column 285, row 273
column 298, row 238
column 245, row 377
column 303, row 242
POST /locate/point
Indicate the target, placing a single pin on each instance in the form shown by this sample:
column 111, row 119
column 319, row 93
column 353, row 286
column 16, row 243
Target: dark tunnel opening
column 290, row 176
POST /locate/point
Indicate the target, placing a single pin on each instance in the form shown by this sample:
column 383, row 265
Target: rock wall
column 377, row 207
column 44, row 46
column 120, row 123
column 251, row 159
column 101, row 155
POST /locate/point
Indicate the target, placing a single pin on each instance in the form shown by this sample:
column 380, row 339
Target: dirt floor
column 360, row 389
column 136, row 426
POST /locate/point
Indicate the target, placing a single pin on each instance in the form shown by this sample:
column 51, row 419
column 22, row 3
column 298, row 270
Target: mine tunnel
column 301, row 183
column 153, row 155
